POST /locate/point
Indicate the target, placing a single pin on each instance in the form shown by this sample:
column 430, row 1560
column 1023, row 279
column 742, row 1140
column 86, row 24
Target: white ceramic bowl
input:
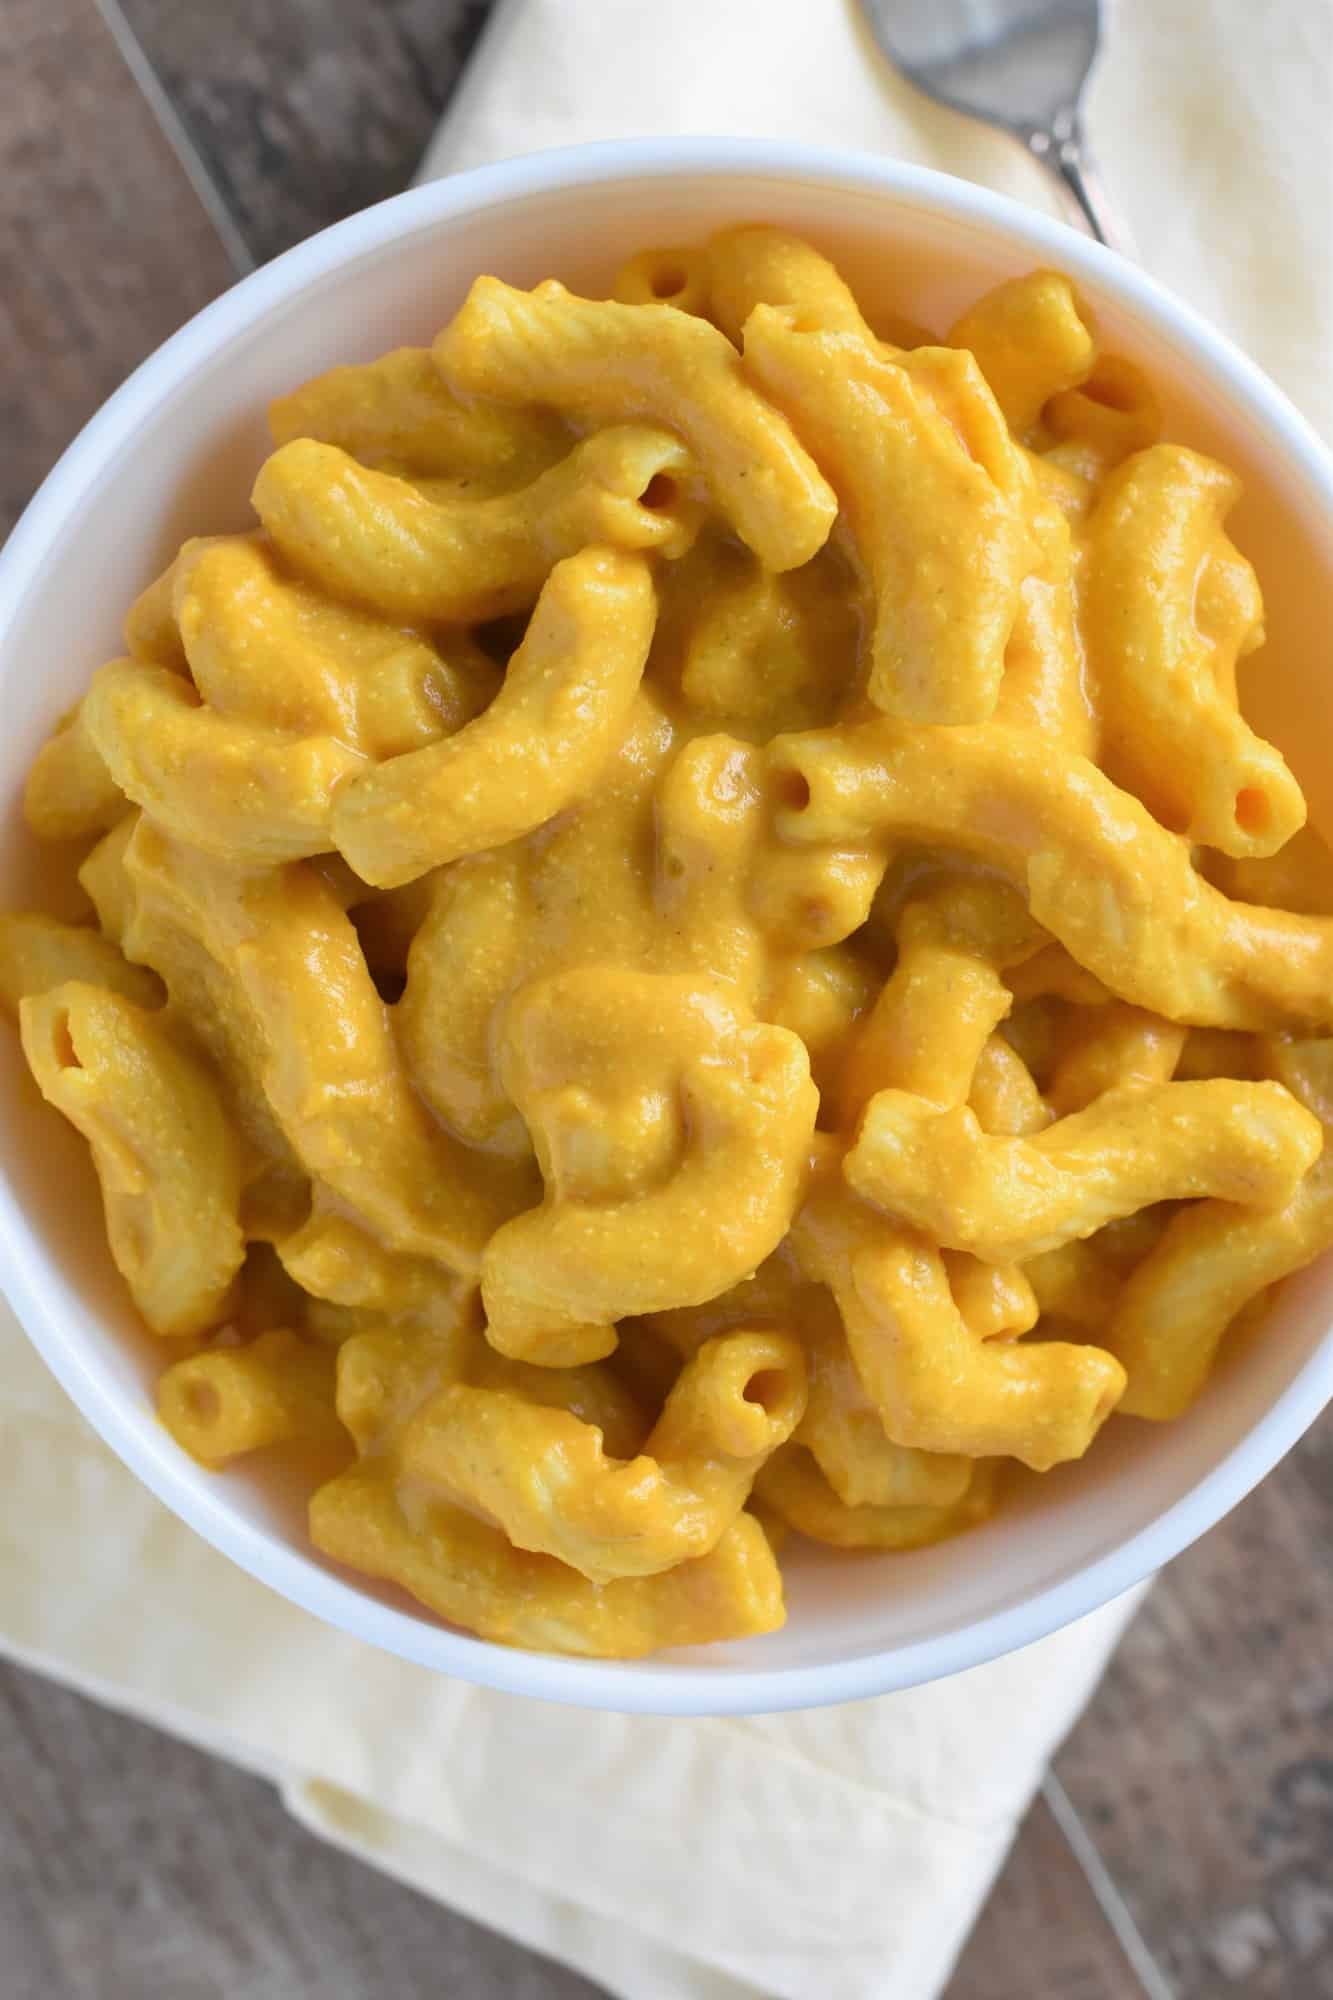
column 174, row 452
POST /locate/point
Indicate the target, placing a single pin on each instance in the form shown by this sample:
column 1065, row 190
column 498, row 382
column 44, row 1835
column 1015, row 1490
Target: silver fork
column 1020, row 64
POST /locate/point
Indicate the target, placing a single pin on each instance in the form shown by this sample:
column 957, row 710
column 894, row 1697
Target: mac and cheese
column 696, row 882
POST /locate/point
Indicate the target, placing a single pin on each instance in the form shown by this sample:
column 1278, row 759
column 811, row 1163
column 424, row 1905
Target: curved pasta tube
column 605, row 363
column 756, row 264
column 1211, row 1262
column 70, row 793
column 330, row 1257
column 997, row 1301
column 1171, row 729
column 1119, row 1048
column 1009, row 1199
column 669, row 277
column 463, row 963
column 936, row 1012
column 799, row 1494
column 468, row 1572
column 233, row 1400
column 375, row 539
column 37, row 953
column 268, row 647
column 843, row 1432
column 1030, row 341
column 399, row 407
column 303, row 1018
column 1100, row 874
column 673, row 1134
column 557, row 719
column 232, row 787
column 165, row 1153
column 1213, row 1259
column 937, row 1386
column 1114, row 413
column 820, row 996
column 945, row 544
column 541, row 1474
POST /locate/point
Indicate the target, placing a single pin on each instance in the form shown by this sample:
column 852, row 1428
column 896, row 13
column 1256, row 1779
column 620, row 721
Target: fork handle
column 1063, row 151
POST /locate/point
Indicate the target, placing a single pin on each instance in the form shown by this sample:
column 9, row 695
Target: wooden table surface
column 149, row 151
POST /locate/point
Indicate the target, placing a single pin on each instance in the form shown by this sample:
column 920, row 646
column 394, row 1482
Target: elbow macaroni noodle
column 696, row 882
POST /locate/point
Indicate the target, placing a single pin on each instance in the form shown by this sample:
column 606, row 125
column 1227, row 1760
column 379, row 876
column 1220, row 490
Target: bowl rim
column 636, row 1687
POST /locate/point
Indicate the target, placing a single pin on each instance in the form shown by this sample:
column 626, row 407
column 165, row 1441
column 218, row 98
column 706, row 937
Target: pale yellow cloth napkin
column 844, row 1851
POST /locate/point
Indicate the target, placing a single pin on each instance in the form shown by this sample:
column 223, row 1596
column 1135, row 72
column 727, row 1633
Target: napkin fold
column 772, row 1858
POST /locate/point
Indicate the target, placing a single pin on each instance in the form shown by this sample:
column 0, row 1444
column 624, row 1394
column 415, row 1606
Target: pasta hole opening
column 1253, row 814
column 793, row 791
column 668, row 281
column 62, row 1042
column 767, row 1389
column 660, row 492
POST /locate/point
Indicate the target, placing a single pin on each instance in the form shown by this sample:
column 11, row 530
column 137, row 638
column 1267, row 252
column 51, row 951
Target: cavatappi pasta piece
column 1100, row 874
column 936, row 1012
column 1170, row 726
column 235, row 788
column 557, row 719
column 37, row 953
column 400, row 408
column 1031, row 342
column 946, row 546
column 672, row 1132
column 228, row 1401
column 467, row 1571
column 463, row 963
column 1213, row 1260
column 70, row 793
column 793, row 1486
column 166, row 1156
column 936, row 1385
column 543, row 1476
column 758, row 265
column 1111, row 415
column 1009, row 1199
column 303, row 1016
column 377, row 541
column 606, row 363
column 1115, row 1048
column 264, row 645
column 1004, row 1094
column 670, row 277
column 1211, row 1263
column 842, row 1431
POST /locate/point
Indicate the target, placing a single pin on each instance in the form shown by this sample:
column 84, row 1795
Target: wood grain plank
column 132, row 1865
column 304, row 112
column 104, row 246
column 1042, row 1935
column 1204, row 1767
